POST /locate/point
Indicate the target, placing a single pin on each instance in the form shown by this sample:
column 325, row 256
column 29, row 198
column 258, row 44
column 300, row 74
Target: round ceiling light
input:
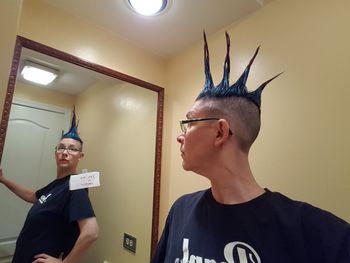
column 148, row 7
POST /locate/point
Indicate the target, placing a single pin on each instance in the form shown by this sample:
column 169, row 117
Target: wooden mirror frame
column 30, row 44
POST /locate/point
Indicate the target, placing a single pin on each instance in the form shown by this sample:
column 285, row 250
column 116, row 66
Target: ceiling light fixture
column 148, row 7
column 38, row 73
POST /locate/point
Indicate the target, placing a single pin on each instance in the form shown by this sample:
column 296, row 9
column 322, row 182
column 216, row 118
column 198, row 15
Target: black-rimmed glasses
column 71, row 151
column 184, row 123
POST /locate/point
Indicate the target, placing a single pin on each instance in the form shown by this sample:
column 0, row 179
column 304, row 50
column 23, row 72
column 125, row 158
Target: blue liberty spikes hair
column 224, row 90
column 73, row 131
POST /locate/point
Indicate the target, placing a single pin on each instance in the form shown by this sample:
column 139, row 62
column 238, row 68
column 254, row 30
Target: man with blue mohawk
column 61, row 224
column 237, row 220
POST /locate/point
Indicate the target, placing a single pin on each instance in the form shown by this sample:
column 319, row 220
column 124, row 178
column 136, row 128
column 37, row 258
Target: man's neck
column 233, row 182
column 64, row 173
column 236, row 193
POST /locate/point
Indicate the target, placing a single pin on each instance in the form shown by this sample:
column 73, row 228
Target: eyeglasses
column 71, row 151
column 185, row 123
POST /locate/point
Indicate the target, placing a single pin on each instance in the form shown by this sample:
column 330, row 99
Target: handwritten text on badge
column 84, row 180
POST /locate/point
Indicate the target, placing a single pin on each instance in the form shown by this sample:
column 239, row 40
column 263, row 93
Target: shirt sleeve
column 40, row 192
column 327, row 236
column 344, row 255
column 79, row 205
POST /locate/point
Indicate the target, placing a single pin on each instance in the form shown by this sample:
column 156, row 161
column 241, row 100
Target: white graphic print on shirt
column 234, row 252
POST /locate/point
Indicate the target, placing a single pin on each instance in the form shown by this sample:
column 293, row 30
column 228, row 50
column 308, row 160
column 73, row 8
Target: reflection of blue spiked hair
column 73, row 131
column 224, row 90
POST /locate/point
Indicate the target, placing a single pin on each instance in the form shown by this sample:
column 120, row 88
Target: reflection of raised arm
column 25, row 193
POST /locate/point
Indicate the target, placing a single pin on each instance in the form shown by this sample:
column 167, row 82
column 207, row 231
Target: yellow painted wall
column 9, row 17
column 118, row 128
column 302, row 149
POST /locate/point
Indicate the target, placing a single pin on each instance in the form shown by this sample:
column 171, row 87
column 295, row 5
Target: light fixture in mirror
column 37, row 73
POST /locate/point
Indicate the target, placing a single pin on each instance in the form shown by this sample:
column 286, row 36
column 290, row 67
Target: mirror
column 121, row 125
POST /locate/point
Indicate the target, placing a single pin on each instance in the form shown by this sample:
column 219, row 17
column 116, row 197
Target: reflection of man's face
column 68, row 153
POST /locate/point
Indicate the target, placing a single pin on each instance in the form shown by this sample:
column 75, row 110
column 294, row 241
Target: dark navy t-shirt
column 268, row 229
column 51, row 225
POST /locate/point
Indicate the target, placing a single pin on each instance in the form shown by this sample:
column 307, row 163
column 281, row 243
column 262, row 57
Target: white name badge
column 84, row 180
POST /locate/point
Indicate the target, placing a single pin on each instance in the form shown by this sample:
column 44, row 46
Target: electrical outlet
column 129, row 242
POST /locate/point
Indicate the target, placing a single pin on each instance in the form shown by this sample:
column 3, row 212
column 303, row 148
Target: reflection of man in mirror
column 61, row 224
column 237, row 220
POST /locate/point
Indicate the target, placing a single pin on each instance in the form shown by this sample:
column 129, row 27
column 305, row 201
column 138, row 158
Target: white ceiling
column 178, row 27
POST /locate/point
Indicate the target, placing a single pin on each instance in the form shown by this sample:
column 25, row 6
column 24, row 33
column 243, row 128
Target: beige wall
column 118, row 128
column 303, row 146
column 9, row 17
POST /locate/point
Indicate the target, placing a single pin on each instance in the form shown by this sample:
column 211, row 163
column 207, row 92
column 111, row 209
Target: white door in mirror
column 84, row 180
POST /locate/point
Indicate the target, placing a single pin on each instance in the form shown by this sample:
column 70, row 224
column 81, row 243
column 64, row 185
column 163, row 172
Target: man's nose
column 180, row 138
column 65, row 151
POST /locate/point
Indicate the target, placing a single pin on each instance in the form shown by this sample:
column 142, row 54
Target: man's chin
column 63, row 165
column 185, row 167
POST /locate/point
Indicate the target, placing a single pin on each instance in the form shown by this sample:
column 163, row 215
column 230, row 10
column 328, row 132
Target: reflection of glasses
column 185, row 123
column 71, row 151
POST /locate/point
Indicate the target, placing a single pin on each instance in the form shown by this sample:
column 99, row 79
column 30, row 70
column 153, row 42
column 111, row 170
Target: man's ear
column 223, row 132
column 81, row 155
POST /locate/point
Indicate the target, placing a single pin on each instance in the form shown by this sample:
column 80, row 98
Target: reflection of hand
column 44, row 258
